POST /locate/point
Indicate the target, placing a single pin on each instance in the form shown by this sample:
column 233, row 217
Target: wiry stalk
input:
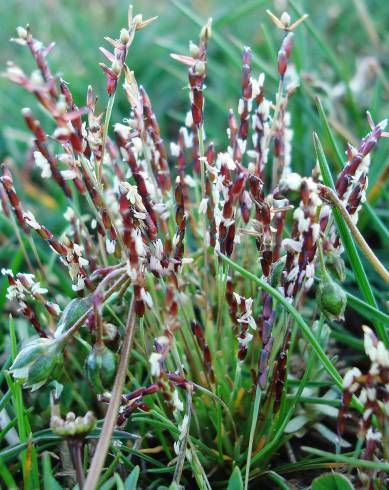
column 330, row 196
column 205, row 244
column 112, row 412
column 254, row 418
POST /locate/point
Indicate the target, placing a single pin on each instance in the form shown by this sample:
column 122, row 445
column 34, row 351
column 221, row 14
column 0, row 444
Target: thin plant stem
column 254, row 418
column 200, row 132
column 36, row 255
column 330, row 196
column 112, row 412
column 184, row 442
column 75, row 450
column 108, row 113
column 23, row 248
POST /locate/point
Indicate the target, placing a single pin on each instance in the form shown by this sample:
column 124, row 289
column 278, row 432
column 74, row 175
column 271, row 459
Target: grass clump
column 177, row 338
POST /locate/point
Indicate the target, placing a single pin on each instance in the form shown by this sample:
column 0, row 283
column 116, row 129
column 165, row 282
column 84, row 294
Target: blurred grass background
column 343, row 40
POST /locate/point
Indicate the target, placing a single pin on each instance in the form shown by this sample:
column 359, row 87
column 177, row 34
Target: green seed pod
column 38, row 362
column 331, row 298
column 101, row 368
column 73, row 311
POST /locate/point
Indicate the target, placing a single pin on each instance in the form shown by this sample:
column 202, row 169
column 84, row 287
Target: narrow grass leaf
column 349, row 461
column 348, row 242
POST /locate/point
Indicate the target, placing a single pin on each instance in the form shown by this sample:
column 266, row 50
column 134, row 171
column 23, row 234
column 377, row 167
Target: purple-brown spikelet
column 181, row 219
column 301, row 247
column 159, row 157
column 264, row 242
column 7, row 183
column 4, row 201
column 284, row 54
column 207, row 357
column 279, row 376
column 231, row 300
column 352, row 182
column 42, row 145
column 244, row 110
column 25, row 289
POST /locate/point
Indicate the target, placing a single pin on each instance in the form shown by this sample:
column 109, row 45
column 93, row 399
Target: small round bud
column 36, row 77
column 61, row 105
column 116, row 68
column 124, row 36
column 199, row 68
column 206, row 31
column 194, row 50
column 22, row 32
column 70, row 417
column 72, row 425
column 331, row 298
column 138, row 19
column 285, row 19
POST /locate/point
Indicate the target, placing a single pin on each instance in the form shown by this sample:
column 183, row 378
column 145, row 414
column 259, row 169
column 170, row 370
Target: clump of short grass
column 204, row 282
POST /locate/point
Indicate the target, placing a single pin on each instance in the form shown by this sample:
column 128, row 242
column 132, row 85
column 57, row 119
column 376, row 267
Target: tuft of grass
column 242, row 351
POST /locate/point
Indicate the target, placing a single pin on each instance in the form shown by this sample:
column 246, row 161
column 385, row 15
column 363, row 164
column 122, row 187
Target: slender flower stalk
column 112, row 412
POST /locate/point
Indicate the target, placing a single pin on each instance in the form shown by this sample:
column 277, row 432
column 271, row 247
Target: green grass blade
column 49, row 482
column 348, row 242
column 254, row 419
column 367, row 310
column 241, row 10
column 278, row 480
column 349, row 461
column 30, row 460
column 283, row 420
column 132, row 479
column 5, row 399
column 7, row 477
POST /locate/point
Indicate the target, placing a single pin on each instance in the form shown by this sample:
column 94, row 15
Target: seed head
column 38, row 362
column 331, row 298
column 72, row 425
